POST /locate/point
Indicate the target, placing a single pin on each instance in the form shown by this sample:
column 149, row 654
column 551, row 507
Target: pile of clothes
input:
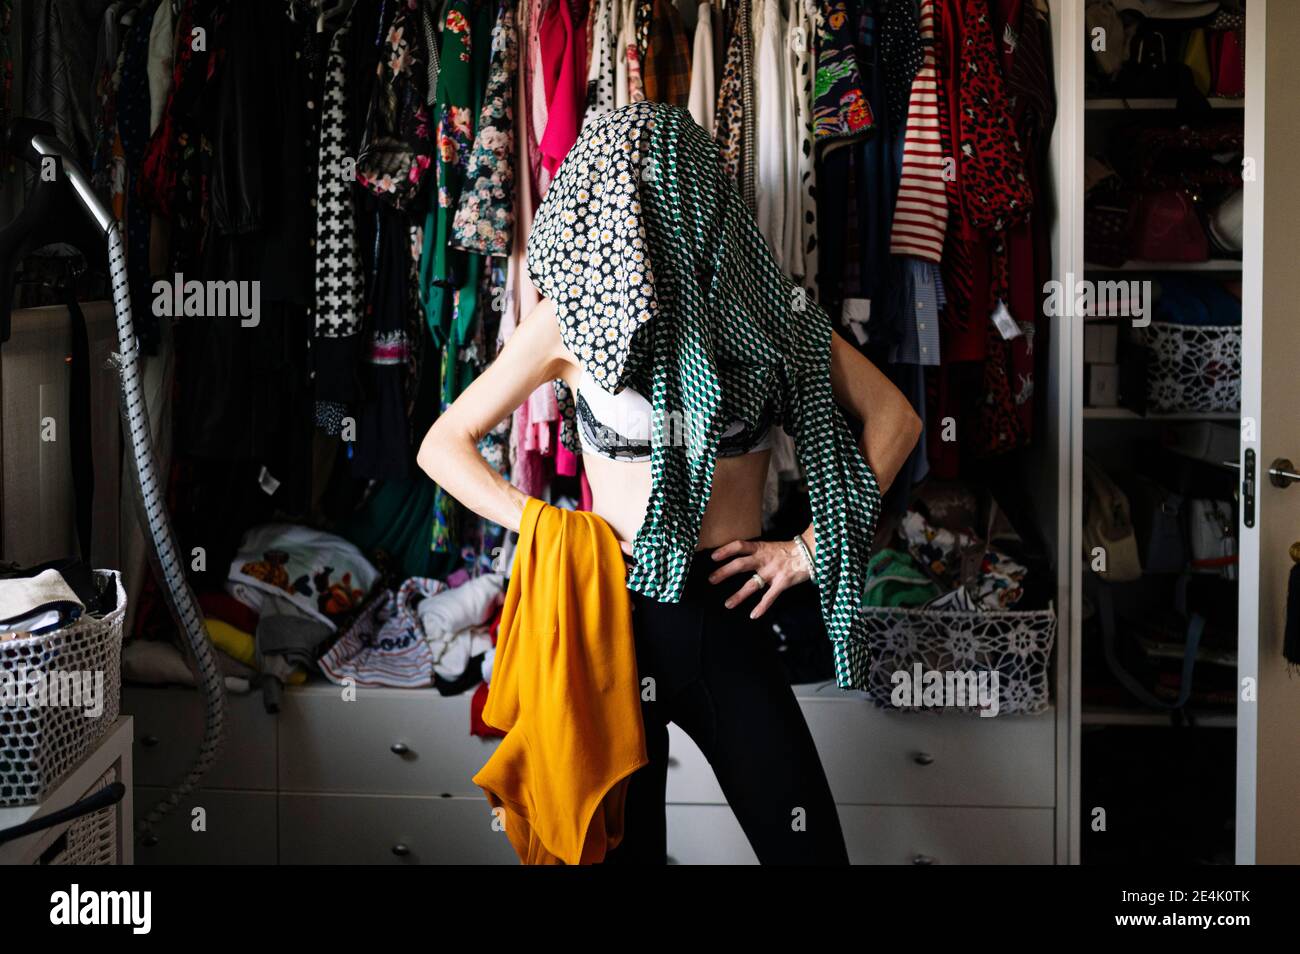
column 944, row 569
column 286, row 592
column 298, row 601
column 425, row 633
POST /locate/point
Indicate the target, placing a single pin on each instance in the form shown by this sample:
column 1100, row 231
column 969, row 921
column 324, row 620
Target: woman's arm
column 449, row 454
column 890, row 427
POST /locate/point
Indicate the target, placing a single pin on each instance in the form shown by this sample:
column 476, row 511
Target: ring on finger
column 758, row 578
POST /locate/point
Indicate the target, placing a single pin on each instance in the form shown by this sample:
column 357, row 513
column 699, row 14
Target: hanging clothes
column 774, row 177
column 840, row 110
column 449, row 276
column 132, row 111
column 340, row 284
column 921, row 212
column 162, row 50
column 729, row 116
column 1026, row 33
column 702, row 96
column 564, row 50
column 802, row 36
column 397, row 146
column 666, row 66
column 602, row 72
column 484, row 221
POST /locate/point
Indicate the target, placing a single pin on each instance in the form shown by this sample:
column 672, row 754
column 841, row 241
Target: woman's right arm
column 449, row 454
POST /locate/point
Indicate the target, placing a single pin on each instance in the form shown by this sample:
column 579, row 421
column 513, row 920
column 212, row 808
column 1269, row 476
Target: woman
column 667, row 318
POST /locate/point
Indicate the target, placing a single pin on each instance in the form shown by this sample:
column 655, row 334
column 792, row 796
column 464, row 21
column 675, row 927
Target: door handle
column 1281, row 473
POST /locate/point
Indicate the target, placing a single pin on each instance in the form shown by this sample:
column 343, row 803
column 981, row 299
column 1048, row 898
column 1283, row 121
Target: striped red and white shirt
column 921, row 211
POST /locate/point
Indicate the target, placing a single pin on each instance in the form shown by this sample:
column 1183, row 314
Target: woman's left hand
column 779, row 563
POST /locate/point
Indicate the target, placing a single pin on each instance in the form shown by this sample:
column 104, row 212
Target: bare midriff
column 620, row 491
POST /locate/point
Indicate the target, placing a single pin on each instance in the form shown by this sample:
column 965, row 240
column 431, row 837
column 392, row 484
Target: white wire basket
column 961, row 650
column 43, row 737
column 1193, row 367
column 90, row 839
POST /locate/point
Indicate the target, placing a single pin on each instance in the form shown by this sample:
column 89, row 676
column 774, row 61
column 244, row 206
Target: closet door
column 1268, row 707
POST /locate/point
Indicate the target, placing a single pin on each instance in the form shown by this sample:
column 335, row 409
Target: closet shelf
column 1213, row 265
column 1121, row 104
column 1150, row 718
column 1124, row 414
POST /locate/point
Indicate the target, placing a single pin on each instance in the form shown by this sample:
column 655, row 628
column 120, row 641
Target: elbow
column 912, row 429
column 432, row 453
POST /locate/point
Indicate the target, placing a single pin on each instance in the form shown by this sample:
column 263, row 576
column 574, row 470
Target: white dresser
column 385, row 779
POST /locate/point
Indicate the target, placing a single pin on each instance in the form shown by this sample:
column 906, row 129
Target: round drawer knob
column 399, row 748
column 401, row 850
column 922, row 860
column 149, row 741
column 923, row 758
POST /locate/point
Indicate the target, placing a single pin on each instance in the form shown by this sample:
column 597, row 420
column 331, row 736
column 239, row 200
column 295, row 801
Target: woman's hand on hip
column 779, row 564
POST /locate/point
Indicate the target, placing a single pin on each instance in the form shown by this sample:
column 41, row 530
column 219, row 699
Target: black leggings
column 716, row 675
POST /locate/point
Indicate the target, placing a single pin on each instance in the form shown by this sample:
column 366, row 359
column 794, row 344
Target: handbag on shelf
column 1227, row 59
column 1226, row 224
column 1196, row 57
column 1150, row 72
column 1106, row 212
column 1158, row 525
column 1167, row 228
column 1211, row 530
column 1105, row 234
column 1108, row 526
column 1195, row 158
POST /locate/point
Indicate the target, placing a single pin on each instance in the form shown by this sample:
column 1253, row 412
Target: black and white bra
column 617, row 426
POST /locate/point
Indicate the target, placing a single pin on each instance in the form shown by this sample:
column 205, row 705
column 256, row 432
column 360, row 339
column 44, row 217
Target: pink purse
column 1166, row 228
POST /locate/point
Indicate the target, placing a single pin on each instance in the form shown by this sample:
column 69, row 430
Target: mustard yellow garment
column 233, row 642
column 241, row 646
column 565, row 691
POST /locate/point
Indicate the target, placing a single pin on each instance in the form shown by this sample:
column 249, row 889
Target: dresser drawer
column 240, row 829
column 897, row 835
column 874, row 757
column 389, row 830
column 881, row 835
column 169, row 728
column 387, row 742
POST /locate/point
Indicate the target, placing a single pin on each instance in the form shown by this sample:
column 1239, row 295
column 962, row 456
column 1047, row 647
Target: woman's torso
column 620, row 489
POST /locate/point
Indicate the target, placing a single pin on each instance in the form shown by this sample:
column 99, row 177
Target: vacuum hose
column 149, row 490
column 152, row 508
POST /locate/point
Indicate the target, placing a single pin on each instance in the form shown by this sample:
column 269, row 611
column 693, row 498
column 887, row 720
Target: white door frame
column 1252, row 329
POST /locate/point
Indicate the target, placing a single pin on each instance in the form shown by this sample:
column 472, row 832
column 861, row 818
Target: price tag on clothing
column 1006, row 325
column 857, row 312
column 268, row 483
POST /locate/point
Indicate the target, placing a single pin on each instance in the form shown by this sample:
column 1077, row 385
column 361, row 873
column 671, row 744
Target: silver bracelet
column 807, row 558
